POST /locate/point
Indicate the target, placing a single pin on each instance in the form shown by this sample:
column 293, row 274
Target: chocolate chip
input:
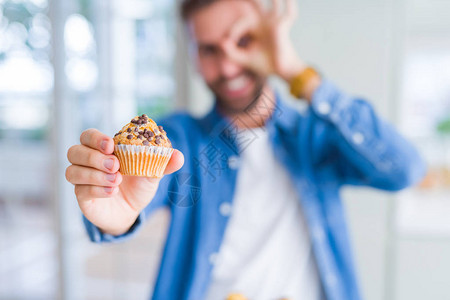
column 140, row 137
column 118, row 143
column 150, row 134
column 129, row 136
column 161, row 128
column 136, row 129
column 149, row 139
column 145, row 143
column 129, row 130
column 146, row 135
column 158, row 140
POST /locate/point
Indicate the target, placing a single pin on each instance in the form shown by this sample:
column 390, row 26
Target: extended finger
column 242, row 26
column 97, row 140
column 291, row 9
column 89, row 192
column 258, row 5
column 175, row 162
column 84, row 156
column 276, row 7
column 88, row 176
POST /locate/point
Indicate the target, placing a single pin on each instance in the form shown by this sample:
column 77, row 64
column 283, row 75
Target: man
column 255, row 208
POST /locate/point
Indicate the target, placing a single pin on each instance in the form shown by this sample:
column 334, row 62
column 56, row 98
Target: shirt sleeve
column 366, row 149
column 97, row 236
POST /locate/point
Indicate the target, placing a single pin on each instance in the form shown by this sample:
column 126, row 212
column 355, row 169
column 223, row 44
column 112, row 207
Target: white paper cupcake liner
column 148, row 161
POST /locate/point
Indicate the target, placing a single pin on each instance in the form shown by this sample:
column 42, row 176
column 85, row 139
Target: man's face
column 234, row 86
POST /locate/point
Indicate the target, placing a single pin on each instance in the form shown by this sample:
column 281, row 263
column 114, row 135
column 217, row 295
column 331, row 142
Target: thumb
column 233, row 52
column 256, row 58
column 175, row 162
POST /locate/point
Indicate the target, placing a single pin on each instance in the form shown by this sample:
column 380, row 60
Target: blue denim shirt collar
column 283, row 116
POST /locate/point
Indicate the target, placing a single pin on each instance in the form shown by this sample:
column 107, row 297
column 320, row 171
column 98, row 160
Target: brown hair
column 188, row 7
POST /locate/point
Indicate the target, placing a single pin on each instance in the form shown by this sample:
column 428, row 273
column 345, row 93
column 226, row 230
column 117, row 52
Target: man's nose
column 228, row 68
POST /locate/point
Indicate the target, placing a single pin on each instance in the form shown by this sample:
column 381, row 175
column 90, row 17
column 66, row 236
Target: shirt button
column 233, row 162
column 225, row 209
column 334, row 117
column 324, row 108
column 358, row 138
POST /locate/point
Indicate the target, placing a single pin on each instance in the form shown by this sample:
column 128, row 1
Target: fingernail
column 110, row 177
column 109, row 189
column 103, row 144
column 108, row 163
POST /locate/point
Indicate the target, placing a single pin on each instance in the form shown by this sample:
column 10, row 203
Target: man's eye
column 208, row 50
column 245, row 41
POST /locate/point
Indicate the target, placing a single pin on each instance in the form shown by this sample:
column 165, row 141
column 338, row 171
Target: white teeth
column 237, row 83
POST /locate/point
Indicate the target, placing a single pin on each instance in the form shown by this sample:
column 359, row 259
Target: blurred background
column 68, row 65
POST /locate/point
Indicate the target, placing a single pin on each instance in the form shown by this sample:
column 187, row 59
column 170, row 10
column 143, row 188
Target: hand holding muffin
column 109, row 200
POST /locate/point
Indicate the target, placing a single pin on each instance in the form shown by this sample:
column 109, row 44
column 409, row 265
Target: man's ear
column 192, row 49
column 193, row 53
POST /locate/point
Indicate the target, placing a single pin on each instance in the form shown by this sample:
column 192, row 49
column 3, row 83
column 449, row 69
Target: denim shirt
column 337, row 140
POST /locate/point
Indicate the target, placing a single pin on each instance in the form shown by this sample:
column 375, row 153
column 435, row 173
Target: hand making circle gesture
column 109, row 200
column 262, row 41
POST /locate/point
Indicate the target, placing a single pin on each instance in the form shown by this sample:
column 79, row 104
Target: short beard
column 232, row 111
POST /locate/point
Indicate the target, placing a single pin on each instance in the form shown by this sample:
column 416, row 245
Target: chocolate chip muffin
column 142, row 148
column 142, row 131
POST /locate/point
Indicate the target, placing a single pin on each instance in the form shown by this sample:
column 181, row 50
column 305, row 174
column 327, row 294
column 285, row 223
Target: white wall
column 351, row 42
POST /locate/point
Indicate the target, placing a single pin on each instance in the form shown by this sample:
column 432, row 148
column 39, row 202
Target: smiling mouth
column 237, row 83
column 237, row 87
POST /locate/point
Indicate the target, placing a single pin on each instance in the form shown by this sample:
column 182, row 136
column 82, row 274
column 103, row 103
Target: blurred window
column 425, row 116
column 28, row 245
column 119, row 62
